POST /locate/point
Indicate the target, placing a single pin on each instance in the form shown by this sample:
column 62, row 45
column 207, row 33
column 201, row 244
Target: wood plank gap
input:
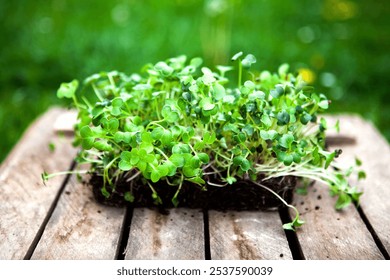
column 53, row 206
column 125, row 233
column 207, row 250
column 374, row 235
column 292, row 239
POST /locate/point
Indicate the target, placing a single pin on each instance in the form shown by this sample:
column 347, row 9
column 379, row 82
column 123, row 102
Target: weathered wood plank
column 331, row 234
column 247, row 235
column 178, row 235
column 24, row 200
column 374, row 151
column 80, row 228
column 65, row 122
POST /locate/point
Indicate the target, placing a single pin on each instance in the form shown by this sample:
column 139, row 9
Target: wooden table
column 62, row 220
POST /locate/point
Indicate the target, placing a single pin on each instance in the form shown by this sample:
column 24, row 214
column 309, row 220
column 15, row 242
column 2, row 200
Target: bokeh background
column 340, row 46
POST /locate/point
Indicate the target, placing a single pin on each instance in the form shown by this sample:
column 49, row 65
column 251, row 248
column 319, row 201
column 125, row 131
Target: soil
column 243, row 195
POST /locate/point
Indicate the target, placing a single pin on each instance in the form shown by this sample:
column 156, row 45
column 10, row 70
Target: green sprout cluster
column 177, row 120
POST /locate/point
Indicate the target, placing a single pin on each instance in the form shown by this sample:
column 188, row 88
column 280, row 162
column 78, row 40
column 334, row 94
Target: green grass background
column 343, row 43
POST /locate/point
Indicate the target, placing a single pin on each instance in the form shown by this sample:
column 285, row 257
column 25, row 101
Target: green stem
column 281, row 199
column 46, row 177
column 239, row 73
column 161, row 152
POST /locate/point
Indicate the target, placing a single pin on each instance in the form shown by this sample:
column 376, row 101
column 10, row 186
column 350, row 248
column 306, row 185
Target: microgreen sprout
column 179, row 121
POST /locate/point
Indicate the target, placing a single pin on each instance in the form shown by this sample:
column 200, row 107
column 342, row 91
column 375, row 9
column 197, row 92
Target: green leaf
column 284, row 157
column 277, row 92
column 141, row 165
column 87, row 143
column 172, row 117
column 256, row 95
column 237, row 56
column 163, row 170
column 209, row 138
column 231, row 180
column 177, row 160
column 157, row 133
column 248, row 130
column 147, row 137
column 298, row 222
column 229, row 99
column 240, row 137
column 196, row 62
column 206, row 104
column 123, row 137
column 125, row 165
column 195, row 162
column 125, row 162
column 88, row 137
column 156, row 198
column 245, row 165
column 238, row 160
column 288, row 226
column 343, row 201
column 116, row 106
column 171, row 167
column 181, row 148
column 164, row 69
column 104, row 192
column 362, row 175
column 111, row 125
column 155, row 176
column 86, row 132
column 283, row 69
column 167, row 138
column 218, row 91
column 68, row 90
column 266, row 120
column 148, row 147
column 223, row 69
column 204, row 158
column 324, row 104
column 188, row 171
column 305, row 118
column 283, row 118
column 129, row 197
column 286, row 140
column 103, row 145
column 208, row 76
column 197, row 180
column 248, row 61
column 329, row 156
column 268, row 135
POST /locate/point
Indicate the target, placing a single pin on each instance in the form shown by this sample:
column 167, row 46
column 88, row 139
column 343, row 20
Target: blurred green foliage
column 340, row 46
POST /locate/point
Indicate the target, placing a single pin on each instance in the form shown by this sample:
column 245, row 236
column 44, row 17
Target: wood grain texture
column 374, row 151
column 331, row 234
column 178, row 235
column 247, row 235
column 80, row 228
column 24, row 200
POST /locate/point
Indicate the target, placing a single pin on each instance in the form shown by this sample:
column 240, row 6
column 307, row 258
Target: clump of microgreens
column 178, row 119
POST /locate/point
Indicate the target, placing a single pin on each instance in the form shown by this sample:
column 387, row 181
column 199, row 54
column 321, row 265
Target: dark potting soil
column 243, row 195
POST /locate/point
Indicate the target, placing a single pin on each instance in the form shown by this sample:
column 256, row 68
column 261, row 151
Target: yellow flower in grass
column 307, row 75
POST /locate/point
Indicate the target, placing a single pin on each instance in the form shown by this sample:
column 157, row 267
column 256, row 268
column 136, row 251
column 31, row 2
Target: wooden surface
column 24, row 200
column 79, row 228
column 178, row 234
column 374, row 151
column 63, row 221
column 247, row 235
